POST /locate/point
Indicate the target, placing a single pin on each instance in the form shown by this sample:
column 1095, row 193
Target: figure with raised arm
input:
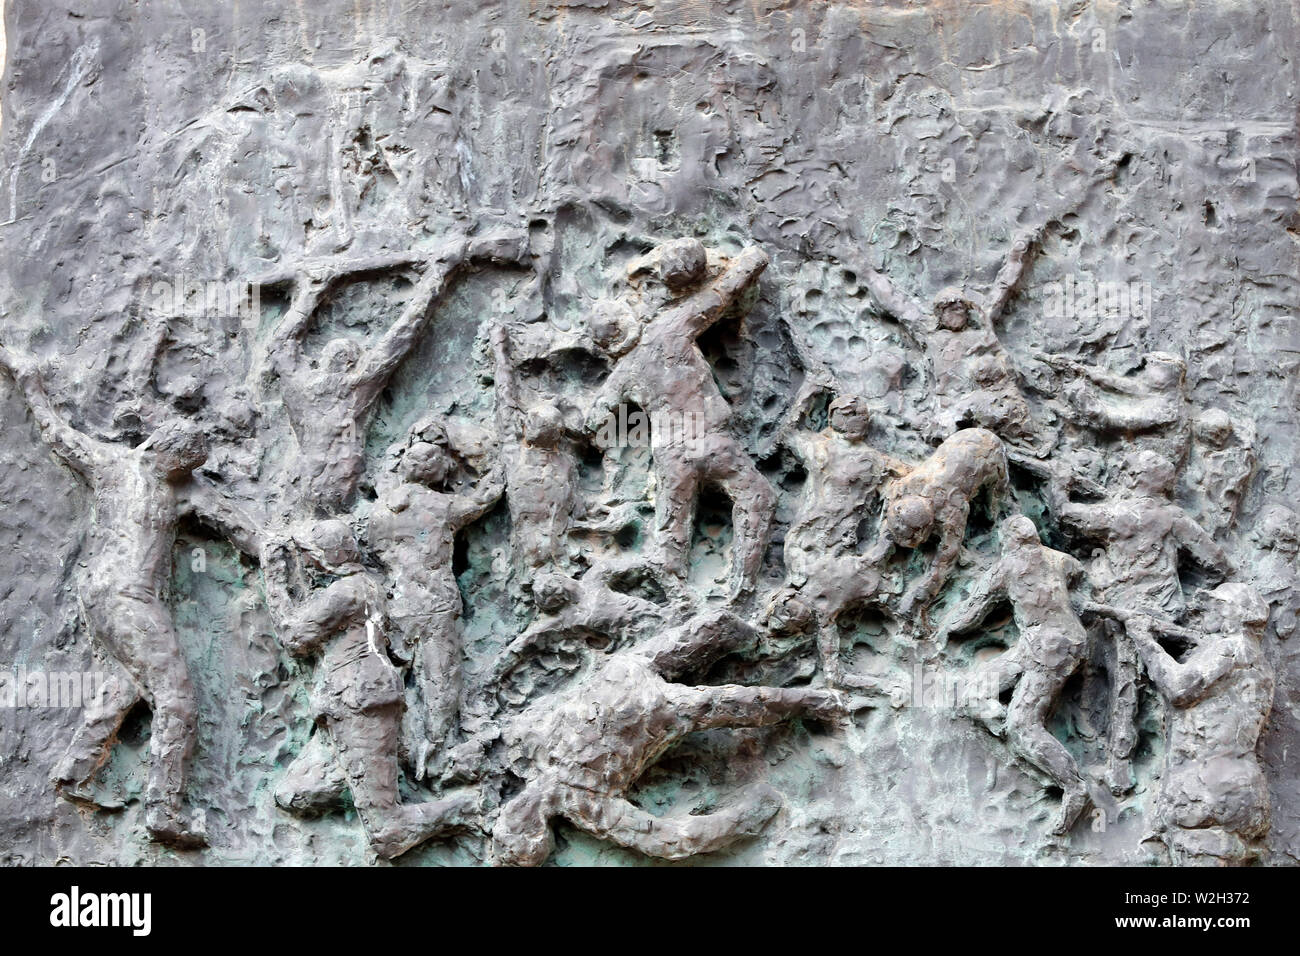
column 359, row 695
column 413, row 528
column 329, row 405
column 1142, row 533
column 975, row 383
column 1213, row 805
column 1036, row 581
column 658, row 366
column 139, row 495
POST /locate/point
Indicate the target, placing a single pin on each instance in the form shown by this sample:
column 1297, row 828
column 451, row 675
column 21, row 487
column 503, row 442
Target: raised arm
column 970, row 612
column 283, row 350
column 904, row 309
column 81, row 452
column 467, row 508
column 380, row 361
column 509, row 411
column 692, row 317
column 1196, row 542
column 210, row 506
column 1012, row 271
column 1183, row 683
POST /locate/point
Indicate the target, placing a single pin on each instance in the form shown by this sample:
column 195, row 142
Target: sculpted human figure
column 1276, row 568
column 659, row 367
column 1036, row 581
column 139, row 495
column 592, row 606
column 328, row 405
column 1151, row 408
column 1142, row 533
column 586, row 749
column 359, row 696
column 1219, row 468
column 540, row 467
column 1213, row 804
column 844, row 476
column 934, row 499
column 974, row 380
column 413, row 528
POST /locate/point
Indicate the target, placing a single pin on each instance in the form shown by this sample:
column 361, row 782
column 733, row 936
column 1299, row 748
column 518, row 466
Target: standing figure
column 1219, row 470
column 1035, row 580
column 659, row 366
column 328, row 405
column 587, row 749
column 1142, row 533
column 359, row 696
column 974, row 381
column 1276, row 567
column 934, row 498
column 1213, row 804
column 413, row 527
column 845, row 474
column 541, row 469
column 139, row 495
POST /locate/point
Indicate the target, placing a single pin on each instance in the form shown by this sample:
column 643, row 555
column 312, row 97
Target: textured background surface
column 143, row 140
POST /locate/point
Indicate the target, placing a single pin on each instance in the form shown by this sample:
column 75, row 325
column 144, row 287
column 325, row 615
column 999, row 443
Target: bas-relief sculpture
column 504, row 625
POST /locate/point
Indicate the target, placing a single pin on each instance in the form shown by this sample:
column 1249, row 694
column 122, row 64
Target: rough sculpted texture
column 613, row 432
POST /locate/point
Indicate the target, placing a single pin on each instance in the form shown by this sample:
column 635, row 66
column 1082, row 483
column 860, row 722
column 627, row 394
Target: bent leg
column 1123, row 710
column 138, row 632
column 674, row 837
column 315, row 780
column 94, row 739
column 676, row 487
column 366, row 742
column 753, row 503
column 1030, row 740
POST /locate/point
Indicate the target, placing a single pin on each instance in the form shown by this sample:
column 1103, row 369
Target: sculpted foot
column 165, row 824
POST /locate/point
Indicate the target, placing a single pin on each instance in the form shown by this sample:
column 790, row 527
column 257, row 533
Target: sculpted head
column 850, row 416
column 614, row 326
column 1214, row 427
column 1164, row 370
column 543, row 426
column 340, row 356
column 790, row 614
column 679, row 263
column 178, row 446
column 330, row 543
column 1232, row 608
column 1019, row 531
column 1150, row 473
column 552, row 591
column 909, row 520
column 1278, row 528
column 425, row 463
column 954, row 309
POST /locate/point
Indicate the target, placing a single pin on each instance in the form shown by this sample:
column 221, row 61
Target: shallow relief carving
column 560, row 533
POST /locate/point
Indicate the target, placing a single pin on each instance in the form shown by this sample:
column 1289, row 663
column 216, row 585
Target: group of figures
column 363, row 586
